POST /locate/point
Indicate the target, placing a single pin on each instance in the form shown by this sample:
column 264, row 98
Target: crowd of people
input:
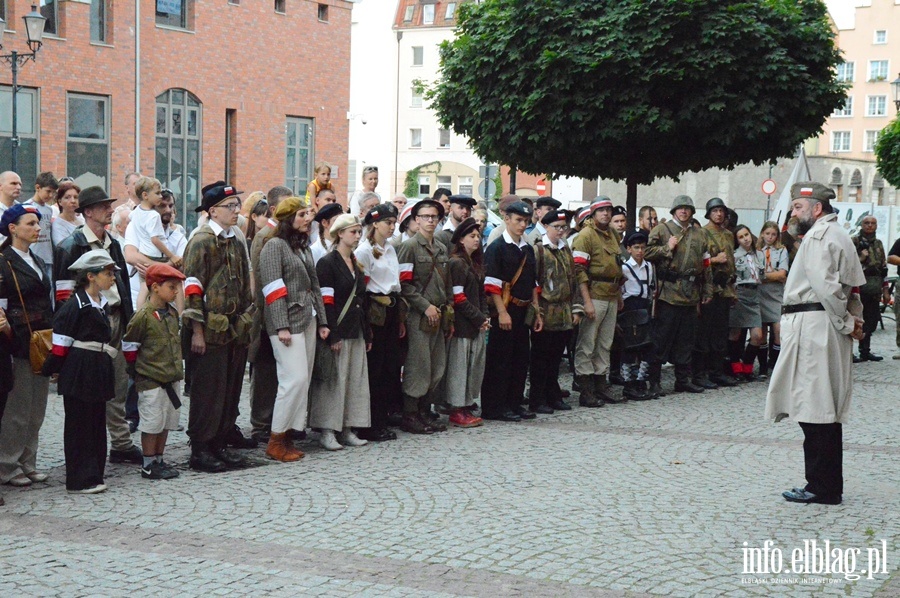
column 391, row 315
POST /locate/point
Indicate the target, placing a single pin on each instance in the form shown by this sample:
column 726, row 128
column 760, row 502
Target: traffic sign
column 769, row 187
column 491, row 188
column 541, row 187
column 483, row 170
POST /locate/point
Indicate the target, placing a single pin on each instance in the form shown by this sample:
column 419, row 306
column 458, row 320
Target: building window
column 876, row 106
column 26, row 130
column 870, row 140
column 846, row 109
column 465, row 185
column 87, row 141
column 444, row 138
column 3, row 10
column 175, row 13
column 418, row 56
column 408, row 15
column 179, row 134
column 98, row 21
column 323, row 12
column 451, row 11
column 881, row 36
column 416, row 100
column 840, row 141
column 280, row 6
column 236, row 3
column 299, row 154
column 427, row 14
column 415, row 138
column 425, row 186
column 444, row 182
column 846, row 71
column 878, row 70
column 50, row 11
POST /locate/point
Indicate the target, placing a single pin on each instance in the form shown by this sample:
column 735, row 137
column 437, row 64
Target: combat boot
column 654, row 373
column 587, row 398
column 635, row 392
column 683, row 380
column 603, row 392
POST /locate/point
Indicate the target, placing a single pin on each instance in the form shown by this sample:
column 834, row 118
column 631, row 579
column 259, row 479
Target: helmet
column 715, row 202
column 682, row 201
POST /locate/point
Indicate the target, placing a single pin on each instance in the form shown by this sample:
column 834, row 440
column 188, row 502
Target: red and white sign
column 541, row 187
column 769, row 187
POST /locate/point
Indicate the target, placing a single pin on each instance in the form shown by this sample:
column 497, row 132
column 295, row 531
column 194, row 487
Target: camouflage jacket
column 721, row 275
column 681, row 273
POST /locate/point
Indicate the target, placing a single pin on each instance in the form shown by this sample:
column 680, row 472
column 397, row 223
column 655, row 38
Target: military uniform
column 682, row 284
column 264, row 372
column 596, row 255
column 875, row 270
column 711, row 347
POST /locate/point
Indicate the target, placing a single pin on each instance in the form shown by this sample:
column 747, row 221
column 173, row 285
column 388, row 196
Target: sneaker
column 92, row 490
column 152, row 471
column 169, row 472
column 329, row 442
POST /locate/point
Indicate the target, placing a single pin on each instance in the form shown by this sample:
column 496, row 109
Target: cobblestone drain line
column 451, row 581
column 716, row 438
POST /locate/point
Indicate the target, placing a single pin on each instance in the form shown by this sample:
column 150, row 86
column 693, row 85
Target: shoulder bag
column 40, row 342
column 325, row 364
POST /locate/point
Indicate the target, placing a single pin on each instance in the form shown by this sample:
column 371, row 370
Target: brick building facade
column 255, row 92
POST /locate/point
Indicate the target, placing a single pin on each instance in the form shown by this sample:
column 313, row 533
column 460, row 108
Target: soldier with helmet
column 678, row 250
column 712, row 337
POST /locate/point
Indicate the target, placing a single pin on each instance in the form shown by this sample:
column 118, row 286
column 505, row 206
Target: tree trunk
column 512, row 180
column 631, row 203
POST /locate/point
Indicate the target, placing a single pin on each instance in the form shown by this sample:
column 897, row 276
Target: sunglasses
column 369, row 169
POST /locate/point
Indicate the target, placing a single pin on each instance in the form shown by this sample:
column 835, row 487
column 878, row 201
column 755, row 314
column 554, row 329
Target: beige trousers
column 343, row 402
column 465, row 370
column 595, row 339
column 22, row 420
column 295, row 365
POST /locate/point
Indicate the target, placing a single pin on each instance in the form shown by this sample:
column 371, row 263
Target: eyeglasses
column 429, row 217
column 559, row 227
column 234, row 207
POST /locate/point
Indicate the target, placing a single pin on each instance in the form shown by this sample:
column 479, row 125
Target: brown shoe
column 413, row 424
column 280, row 449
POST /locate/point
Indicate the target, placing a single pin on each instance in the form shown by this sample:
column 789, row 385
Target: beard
column 804, row 224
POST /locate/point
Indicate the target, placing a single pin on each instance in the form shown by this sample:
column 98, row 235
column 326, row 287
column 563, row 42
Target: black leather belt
column 801, row 307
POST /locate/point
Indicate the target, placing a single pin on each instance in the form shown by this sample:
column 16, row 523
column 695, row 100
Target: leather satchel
column 633, row 328
column 40, row 342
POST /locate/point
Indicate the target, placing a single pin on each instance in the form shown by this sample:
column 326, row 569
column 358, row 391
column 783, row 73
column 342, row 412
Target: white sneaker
column 329, row 442
column 351, row 439
column 92, row 490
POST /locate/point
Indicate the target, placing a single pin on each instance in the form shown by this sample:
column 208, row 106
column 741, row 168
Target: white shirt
column 640, row 286
column 546, row 241
column 318, row 250
column 522, row 243
column 382, row 274
column 147, row 225
column 62, row 229
column 26, row 255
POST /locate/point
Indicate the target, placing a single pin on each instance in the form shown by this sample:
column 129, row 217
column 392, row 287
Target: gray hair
column 117, row 215
column 367, row 196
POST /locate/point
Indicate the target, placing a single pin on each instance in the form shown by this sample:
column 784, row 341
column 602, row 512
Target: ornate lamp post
column 34, row 29
column 895, row 87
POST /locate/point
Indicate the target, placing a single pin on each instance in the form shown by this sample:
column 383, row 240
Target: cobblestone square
column 654, row 498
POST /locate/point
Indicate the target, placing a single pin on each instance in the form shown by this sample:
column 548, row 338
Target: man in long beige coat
column 812, row 382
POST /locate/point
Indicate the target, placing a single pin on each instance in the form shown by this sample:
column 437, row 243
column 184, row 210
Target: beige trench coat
column 812, row 381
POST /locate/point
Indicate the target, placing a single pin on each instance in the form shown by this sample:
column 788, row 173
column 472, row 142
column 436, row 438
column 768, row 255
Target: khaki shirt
column 153, row 344
column 424, row 273
column 596, row 254
column 721, row 275
column 681, row 275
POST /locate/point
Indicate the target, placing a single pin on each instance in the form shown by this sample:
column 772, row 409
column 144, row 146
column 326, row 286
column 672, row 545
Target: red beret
column 158, row 273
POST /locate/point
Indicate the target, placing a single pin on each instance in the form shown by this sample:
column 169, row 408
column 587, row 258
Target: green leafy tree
column 887, row 153
column 637, row 89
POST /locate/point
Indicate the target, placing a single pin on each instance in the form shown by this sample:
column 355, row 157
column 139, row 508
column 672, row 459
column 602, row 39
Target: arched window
column 178, row 136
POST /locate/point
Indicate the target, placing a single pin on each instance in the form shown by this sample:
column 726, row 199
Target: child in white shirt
column 148, row 228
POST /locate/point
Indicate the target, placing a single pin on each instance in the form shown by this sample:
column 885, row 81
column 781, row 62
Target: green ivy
column 411, row 186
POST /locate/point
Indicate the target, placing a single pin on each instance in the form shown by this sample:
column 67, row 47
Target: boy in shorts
column 152, row 347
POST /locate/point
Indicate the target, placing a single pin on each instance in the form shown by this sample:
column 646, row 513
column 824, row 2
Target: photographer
column 872, row 258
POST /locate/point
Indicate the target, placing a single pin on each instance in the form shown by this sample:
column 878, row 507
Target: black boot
column 587, row 397
column 603, row 391
column 683, row 380
column 719, row 377
column 655, row 374
column 634, row 391
column 763, row 357
column 202, row 459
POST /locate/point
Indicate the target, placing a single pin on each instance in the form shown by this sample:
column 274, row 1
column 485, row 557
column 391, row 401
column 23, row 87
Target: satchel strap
column 19, row 291
column 515, row 278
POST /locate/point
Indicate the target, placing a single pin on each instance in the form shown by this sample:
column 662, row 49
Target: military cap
column 619, row 211
column 715, row 202
column 93, row 261
column 506, row 201
column 682, row 201
column 14, row 213
column 465, row 227
column 91, row 196
column 381, row 212
column 463, row 200
column 216, row 195
column 554, row 216
column 521, row 208
column 159, row 273
column 289, row 206
column 329, row 211
column 812, row 190
column 548, row 202
column 634, row 237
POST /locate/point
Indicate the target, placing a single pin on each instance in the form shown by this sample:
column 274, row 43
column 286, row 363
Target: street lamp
column 34, row 29
column 895, row 86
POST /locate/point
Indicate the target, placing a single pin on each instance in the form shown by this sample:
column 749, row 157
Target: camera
column 862, row 244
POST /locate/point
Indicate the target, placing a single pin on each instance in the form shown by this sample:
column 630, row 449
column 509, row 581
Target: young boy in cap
column 560, row 302
column 511, row 286
column 152, row 346
column 637, row 293
column 461, row 207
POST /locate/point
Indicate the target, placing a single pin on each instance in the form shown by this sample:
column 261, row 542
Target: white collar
column 509, row 240
column 448, row 225
column 100, row 305
column 631, row 262
column 540, row 228
column 546, row 241
column 219, row 231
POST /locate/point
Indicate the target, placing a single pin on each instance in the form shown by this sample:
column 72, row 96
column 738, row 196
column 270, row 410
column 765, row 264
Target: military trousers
column 823, row 458
column 215, row 393
column 426, row 359
column 263, row 386
column 595, row 339
column 711, row 345
column 506, row 365
column 547, row 349
column 674, row 332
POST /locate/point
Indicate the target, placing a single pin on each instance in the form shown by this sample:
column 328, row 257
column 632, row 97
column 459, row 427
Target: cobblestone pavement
column 652, row 498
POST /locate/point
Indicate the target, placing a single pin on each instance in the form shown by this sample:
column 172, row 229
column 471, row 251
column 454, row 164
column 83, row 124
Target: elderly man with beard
column 812, row 382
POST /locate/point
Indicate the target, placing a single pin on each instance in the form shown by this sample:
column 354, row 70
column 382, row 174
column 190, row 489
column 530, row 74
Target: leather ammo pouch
column 243, row 326
column 376, row 310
